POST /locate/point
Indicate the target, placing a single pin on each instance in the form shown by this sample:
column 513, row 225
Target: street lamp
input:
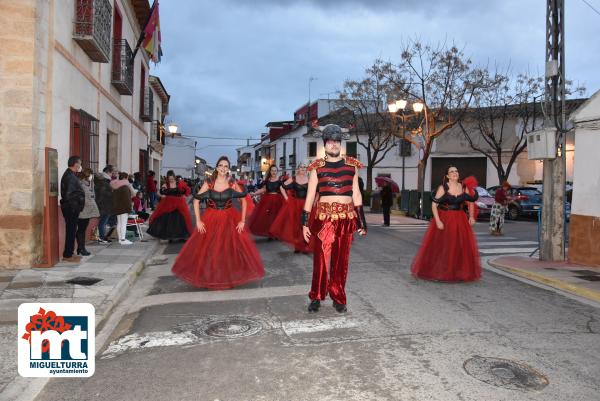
column 393, row 108
column 172, row 127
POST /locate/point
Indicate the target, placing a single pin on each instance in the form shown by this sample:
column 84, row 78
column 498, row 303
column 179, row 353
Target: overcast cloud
column 231, row 66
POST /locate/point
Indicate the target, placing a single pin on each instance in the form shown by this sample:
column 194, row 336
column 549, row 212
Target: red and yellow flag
column 151, row 42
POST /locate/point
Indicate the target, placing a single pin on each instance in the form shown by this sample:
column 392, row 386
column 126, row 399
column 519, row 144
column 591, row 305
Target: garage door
column 466, row 166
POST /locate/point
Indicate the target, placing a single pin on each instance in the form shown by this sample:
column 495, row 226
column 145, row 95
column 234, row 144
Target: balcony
column 122, row 67
column 157, row 133
column 147, row 106
column 92, row 28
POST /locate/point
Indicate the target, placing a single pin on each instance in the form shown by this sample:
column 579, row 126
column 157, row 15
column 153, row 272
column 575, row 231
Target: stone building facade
column 69, row 84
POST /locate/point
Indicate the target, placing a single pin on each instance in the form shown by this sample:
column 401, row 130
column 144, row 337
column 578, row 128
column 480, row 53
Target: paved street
column 402, row 339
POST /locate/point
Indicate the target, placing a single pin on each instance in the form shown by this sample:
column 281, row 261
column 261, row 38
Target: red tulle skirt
column 264, row 214
column 171, row 219
column 450, row 254
column 221, row 257
column 287, row 226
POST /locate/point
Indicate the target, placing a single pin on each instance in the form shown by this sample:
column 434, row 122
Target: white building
column 584, row 231
column 179, row 155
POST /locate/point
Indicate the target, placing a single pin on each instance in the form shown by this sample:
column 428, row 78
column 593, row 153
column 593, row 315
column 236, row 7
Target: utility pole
column 552, row 239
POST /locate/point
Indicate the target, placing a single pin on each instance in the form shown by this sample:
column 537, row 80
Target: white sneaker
column 125, row 242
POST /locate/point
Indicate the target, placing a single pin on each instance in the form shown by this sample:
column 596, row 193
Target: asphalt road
column 402, row 339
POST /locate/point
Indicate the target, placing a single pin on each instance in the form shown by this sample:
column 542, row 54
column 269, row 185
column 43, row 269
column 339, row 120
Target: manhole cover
column 505, row 373
column 84, row 280
column 229, row 327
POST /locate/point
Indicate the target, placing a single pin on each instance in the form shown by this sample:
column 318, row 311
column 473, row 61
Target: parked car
column 522, row 201
column 484, row 203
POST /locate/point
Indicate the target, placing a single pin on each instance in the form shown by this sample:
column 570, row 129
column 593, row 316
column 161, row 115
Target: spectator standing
column 90, row 210
column 151, row 189
column 123, row 192
column 72, row 199
column 104, row 201
column 387, row 200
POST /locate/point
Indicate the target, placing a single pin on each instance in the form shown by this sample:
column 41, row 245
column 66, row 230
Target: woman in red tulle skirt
column 271, row 202
column 287, row 226
column 449, row 249
column 220, row 254
column 171, row 219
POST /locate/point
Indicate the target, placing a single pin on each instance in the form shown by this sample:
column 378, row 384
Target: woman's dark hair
column 445, row 178
column 270, row 173
column 73, row 160
column 123, row 175
column 85, row 173
column 170, row 172
column 215, row 172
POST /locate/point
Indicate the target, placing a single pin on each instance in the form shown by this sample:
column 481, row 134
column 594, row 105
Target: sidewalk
column 101, row 279
column 396, row 217
column 583, row 281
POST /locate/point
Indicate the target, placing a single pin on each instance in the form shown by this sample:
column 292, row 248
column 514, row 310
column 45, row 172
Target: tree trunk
column 369, row 186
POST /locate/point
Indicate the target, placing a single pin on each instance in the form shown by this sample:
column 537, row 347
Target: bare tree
column 501, row 99
column 366, row 101
column 440, row 77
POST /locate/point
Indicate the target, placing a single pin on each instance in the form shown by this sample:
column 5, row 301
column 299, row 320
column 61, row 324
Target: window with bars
column 84, row 138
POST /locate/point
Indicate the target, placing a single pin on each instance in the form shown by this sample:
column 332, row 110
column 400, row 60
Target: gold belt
column 271, row 193
column 335, row 211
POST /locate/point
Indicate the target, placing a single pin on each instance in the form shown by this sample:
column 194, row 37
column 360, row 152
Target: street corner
column 582, row 281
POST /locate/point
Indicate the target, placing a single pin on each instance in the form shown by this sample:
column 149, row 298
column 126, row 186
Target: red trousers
column 332, row 243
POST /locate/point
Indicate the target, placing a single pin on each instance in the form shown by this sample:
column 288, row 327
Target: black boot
column 314, row 306
column 83, row 252
column 340, row 308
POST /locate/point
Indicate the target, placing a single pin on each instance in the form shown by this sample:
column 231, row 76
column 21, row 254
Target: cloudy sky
column 231, row 66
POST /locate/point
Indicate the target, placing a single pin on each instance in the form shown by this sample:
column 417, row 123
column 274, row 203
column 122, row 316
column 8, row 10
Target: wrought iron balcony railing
column 92, row 28
column 122, row 67
column 158, row 132
column 147, row 105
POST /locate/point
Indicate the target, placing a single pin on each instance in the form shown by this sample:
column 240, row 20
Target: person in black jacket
column 71, row 203
column 104, row 200
column 387, row 200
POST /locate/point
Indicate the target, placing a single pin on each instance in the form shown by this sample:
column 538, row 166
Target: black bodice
column 220, row 199
column 272, row 186
column 300, row 190
column 452, row 202
column 172, row 191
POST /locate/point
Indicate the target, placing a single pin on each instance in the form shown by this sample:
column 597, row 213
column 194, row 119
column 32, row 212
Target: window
column 405, row 147
column 84, row 138
column 112, row 148
column 351, row 149
column 312, row 149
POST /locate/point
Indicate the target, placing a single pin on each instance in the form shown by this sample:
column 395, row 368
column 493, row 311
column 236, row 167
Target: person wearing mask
column 387, row 200
column 72, row 200
column 123, row 192
column 104, row 200
column 151, row 189
column 90, row 210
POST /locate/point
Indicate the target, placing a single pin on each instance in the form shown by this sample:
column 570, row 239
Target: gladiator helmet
column 332, row 132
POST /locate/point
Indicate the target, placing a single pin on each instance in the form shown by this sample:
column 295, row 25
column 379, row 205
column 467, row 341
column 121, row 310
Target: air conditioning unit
column 541, row 144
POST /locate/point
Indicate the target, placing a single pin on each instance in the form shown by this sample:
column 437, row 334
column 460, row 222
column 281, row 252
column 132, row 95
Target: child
column 138, row 206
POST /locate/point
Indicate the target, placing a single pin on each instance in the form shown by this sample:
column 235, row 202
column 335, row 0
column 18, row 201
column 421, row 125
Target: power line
column 592, row 7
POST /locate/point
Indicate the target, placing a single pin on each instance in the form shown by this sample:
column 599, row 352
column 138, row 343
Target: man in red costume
column 338, row 214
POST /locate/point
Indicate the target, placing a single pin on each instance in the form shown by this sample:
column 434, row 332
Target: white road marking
column 487, row 243
column 149, row 340
column 506, row 250
column 316, row 325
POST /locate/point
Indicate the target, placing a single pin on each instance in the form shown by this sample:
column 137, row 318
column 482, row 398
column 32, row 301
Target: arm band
column 304, row 218
column 360, row 215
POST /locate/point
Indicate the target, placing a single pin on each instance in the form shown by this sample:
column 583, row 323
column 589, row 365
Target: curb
column 551, row 282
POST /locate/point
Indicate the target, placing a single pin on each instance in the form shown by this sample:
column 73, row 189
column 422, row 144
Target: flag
column 151, row 42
